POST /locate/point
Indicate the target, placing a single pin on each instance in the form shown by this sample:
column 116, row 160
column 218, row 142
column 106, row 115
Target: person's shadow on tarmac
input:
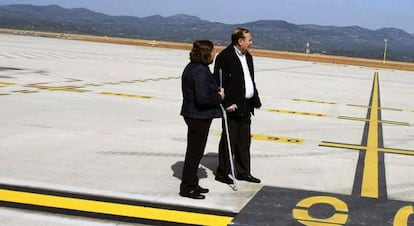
column 209, row 161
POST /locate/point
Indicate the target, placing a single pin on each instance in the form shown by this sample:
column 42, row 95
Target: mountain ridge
column 354, row 41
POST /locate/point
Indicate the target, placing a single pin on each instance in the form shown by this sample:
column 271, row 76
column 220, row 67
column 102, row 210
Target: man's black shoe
column 224, row 179
column 248, row 178
column 200, row 189
column 194, row 194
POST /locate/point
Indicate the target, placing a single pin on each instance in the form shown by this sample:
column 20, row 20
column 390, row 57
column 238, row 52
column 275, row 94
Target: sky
column 371, row 14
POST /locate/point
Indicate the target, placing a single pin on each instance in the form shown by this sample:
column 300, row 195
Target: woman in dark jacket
column 201, row 101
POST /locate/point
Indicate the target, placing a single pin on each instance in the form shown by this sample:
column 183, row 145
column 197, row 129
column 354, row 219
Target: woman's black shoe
column 194, row 194
column 201, row 189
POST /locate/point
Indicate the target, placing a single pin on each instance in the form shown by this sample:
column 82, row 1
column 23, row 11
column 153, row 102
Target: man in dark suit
column 236, row 65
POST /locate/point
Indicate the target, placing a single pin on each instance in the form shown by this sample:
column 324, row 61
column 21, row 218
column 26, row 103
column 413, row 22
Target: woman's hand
column 221, row 93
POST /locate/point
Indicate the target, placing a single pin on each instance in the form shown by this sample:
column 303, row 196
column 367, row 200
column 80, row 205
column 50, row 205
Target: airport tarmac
column 90, row 134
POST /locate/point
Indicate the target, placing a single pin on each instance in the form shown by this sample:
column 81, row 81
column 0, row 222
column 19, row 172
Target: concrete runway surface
column 90, row 134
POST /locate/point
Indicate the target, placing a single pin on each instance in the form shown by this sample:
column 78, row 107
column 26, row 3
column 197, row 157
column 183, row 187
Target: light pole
column 385, row 50
column 307, row 48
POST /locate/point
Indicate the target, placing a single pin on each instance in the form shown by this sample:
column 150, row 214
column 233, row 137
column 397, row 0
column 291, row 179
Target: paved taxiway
column 100, row 122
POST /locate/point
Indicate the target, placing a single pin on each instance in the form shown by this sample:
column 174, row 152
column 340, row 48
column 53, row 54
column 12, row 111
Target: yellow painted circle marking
column 402, row 216
column 340, row 216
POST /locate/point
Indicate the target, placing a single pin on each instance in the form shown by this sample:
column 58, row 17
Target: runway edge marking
column 107, row 208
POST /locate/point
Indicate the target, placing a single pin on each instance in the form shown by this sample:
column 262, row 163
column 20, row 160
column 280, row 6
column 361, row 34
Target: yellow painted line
column 370, row 174
column 359, row 147
column 173, row 77
column 339, row 145
column 264, row 137
column 156, row 79
column 7, row 83
column 93, row 84
column 313, row 101
column 358, row 105
column 112, row 83
column 382, row 108
column 25, row 91
column 125, row 95
column 397, row 151
column 278, row 139
column 395, row 123
column 59, row 88
column 123, row 210
column 353, row 118
column 391, row 109
column 380, row 121
column 297, row 112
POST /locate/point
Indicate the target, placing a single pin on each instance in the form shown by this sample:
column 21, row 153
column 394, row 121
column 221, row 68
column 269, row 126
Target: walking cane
column 226, row 126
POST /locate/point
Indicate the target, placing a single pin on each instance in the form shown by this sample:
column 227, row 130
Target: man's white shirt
column 247, row 77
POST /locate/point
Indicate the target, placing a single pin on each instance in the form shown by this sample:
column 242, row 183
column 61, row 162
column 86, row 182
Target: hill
column 278, row 35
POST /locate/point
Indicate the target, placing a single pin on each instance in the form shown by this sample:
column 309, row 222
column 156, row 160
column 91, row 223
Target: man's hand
column 232, row 108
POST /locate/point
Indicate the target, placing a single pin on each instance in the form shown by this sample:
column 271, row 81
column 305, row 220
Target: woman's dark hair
column 201, row 52
column 237, row 34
